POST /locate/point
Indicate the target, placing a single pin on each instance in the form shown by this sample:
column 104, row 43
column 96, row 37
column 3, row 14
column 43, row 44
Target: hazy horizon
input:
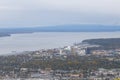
column 30, row 13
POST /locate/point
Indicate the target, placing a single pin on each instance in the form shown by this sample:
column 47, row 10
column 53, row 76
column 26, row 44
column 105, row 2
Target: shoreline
column 43, row 40
column 9, row 34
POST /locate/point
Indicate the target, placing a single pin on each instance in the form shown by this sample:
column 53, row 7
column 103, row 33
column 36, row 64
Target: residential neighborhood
column 62, row 64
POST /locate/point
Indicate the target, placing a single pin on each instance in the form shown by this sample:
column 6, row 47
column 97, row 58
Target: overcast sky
column 28, row 13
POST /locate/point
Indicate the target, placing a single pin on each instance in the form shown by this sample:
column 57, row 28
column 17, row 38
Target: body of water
column 46, row 40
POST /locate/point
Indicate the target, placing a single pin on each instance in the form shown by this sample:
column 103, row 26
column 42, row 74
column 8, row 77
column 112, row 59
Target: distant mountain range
column 62, row 28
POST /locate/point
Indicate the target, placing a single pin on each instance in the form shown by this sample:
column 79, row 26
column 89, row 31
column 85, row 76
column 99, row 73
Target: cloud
column 53, row 12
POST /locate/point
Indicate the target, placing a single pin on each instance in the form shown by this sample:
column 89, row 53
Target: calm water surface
column 45, row 40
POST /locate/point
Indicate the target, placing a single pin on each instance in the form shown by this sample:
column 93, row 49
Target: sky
column 30, row 13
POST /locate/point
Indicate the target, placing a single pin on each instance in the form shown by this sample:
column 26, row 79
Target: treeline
column 105, row 43
column 71, row 63
column 75, row 63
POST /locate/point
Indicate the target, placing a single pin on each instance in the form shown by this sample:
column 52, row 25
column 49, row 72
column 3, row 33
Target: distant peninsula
column 60, row 28
column 4, row 34
column 105, row 43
